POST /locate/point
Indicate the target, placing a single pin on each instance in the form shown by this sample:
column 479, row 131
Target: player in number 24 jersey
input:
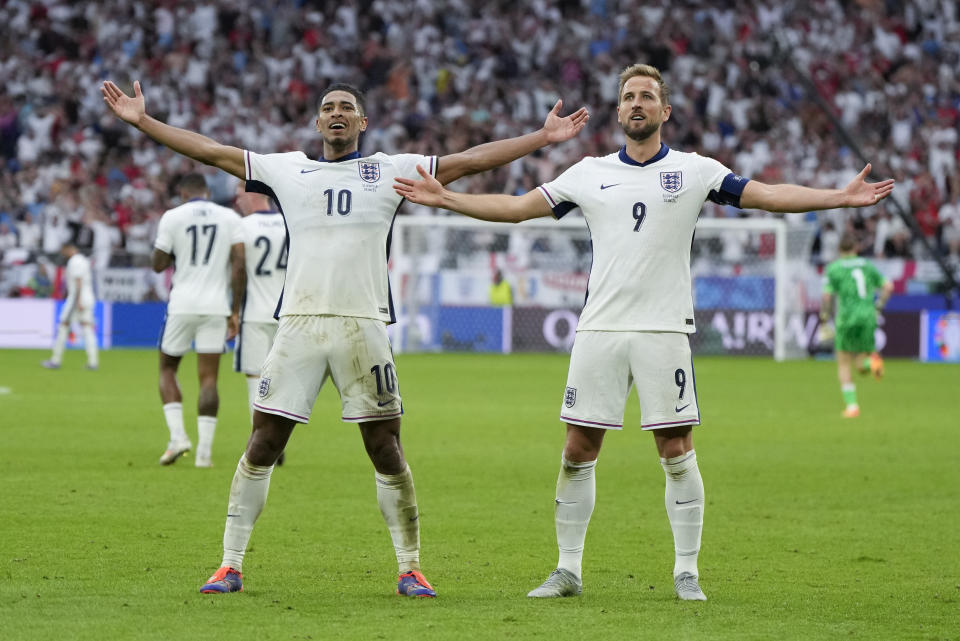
column 641, row 205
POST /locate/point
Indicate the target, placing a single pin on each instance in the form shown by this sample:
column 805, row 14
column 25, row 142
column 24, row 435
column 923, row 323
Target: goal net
column 755, row 289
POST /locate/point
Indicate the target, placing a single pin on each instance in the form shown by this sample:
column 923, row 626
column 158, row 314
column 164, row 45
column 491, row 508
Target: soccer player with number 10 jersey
column 339, row 212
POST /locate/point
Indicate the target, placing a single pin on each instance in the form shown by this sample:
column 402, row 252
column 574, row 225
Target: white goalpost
column 755, row 289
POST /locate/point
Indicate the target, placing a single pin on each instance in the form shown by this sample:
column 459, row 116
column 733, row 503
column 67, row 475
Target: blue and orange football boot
column 226, row 579
column 876, row 366
column 412, row 583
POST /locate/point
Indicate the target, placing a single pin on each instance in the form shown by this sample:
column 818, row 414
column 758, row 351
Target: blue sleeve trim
column 561, row 209
column 730, row 190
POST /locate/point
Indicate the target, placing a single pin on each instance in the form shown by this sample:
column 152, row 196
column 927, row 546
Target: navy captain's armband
column 730, row 190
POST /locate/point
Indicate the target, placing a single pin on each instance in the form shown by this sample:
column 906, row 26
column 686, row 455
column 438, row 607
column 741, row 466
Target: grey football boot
column 687, row 587
column 559, row 583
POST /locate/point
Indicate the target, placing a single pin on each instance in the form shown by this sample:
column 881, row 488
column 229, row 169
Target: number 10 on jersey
column 344, row 199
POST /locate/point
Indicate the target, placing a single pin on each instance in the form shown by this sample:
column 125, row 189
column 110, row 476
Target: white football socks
column 248, row 494
column 684, row 502
column 206, row 426
column 253, row 385
column 173, row 412
column 576, row 495
column 398, row 504
column 90, row 343
column 59, row 344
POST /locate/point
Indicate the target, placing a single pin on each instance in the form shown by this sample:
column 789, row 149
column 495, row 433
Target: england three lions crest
column 369, row 171
column 671, row 181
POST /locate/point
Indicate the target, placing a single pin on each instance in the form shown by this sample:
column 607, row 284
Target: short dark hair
column 193, row 183
column 350, row 89
column 848, row 242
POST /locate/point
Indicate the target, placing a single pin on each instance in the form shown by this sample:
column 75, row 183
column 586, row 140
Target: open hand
column 559, row 129
column 129, row 109
column 233, row 326
column 427, row 192
column 860, row 193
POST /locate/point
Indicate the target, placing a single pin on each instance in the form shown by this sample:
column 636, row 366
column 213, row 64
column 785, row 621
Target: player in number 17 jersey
column 204, row 242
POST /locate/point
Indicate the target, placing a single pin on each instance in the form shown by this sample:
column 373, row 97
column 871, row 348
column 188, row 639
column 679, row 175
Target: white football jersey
column 199, row 235
column 265, row 244
column 339, row 217
column 78, row 269
column 641, row 218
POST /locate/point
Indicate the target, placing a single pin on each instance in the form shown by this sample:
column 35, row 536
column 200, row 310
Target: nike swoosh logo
column 680, row 409
column 307, row 171
column 602, row 186
column 685, row 502
column 384, row 403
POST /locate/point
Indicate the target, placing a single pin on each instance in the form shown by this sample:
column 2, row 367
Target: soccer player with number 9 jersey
column 641, row 205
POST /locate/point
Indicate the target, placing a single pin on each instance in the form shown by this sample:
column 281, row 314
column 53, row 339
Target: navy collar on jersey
column 630, row 161
column 193, row 200
column 350, row 156
column 265, row 211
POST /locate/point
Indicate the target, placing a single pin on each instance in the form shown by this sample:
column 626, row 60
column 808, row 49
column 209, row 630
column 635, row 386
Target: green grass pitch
column 816, row 527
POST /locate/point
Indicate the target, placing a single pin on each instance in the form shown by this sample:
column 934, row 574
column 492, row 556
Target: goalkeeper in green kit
column 853, row 281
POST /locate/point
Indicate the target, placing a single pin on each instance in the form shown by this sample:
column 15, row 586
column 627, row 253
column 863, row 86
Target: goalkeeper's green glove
column 826, row 332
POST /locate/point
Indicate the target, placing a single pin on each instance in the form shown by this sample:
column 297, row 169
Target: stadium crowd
column 442, row 75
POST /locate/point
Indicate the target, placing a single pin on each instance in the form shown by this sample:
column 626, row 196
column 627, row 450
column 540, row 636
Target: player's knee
column 574, row 453
column 268, row 440
column 672, row 448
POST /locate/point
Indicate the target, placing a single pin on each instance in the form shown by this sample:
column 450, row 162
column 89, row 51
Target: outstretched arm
column 132, row 110
column 794, row 198
column 498, row 208
column 495, row 154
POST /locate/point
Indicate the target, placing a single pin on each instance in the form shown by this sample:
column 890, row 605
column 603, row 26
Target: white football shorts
column 604, row 365
column 253, row 344
column 207, row 333
column 354, row 352
column 74, row 315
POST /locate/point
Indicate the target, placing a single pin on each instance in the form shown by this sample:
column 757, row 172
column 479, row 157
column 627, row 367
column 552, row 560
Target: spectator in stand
column 39, row 284
column 8, row 239
column 30, row 232
column 106, row 238
column 138, row 238
column 56, row 232
column 950, row 227
column 829, row 243
column 925, row 204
